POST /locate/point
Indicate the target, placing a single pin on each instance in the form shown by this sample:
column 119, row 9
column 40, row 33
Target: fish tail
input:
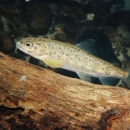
column 127, row 81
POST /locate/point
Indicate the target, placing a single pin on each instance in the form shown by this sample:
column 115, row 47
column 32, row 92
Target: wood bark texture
column 31, row 96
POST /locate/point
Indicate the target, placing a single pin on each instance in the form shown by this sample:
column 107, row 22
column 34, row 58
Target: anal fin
column 109, row 81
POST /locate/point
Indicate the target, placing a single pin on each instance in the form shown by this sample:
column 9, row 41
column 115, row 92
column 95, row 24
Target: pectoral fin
column 53, row 63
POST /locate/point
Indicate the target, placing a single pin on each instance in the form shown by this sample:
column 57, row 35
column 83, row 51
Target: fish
column 80, row 58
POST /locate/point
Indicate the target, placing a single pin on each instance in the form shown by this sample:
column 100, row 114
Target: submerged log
column 52, row 101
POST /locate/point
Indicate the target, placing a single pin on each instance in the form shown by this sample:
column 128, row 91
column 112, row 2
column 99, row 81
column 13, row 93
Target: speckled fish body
column 62, row 55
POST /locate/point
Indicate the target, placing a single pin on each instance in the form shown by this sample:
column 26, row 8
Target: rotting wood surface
column 56, row 101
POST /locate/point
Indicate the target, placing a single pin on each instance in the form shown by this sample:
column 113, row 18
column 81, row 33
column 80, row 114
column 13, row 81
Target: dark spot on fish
column 71, row 58
column 82, row 67
column 66, row 54
column 102, row 68
column 54, row 52
column 38, row 43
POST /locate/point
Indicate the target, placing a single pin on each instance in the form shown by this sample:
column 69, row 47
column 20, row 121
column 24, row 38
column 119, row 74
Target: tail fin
column 126, row 67
column 127, row 81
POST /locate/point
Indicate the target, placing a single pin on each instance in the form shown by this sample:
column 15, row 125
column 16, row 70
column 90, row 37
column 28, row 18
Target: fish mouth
column 18, row 45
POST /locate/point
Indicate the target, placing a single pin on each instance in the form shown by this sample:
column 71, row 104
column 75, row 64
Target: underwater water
column 107, row 22
column 70, row 21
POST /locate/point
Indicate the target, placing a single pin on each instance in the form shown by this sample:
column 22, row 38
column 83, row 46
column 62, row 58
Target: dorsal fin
column 88, row 45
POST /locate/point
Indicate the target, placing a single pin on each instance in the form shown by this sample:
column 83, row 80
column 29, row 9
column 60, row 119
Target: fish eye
column 29, row 45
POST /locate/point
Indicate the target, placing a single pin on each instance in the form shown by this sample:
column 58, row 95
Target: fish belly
column 83, row 71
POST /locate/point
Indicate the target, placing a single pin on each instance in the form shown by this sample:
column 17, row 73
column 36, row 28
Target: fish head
column 32, row 46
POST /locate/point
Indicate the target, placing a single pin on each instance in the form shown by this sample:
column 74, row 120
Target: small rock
column 124, row 50
column 126, row 63
column 73, row 9
column 74, row 29
column 60, row 37
column 126, row 57
column 7, row 43
column 53, row 8
column 38, row 18
column 119, row 18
